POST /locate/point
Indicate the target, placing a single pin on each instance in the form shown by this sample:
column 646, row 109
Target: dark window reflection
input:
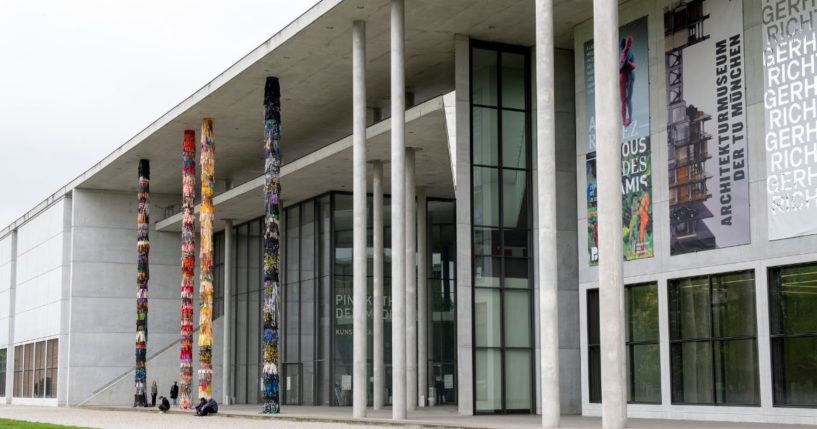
column 793, row 306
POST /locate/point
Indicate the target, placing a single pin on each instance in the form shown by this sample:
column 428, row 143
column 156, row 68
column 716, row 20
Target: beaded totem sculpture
column 142, row 276
column 208, row 153
column 188, row 259
column 272, row 216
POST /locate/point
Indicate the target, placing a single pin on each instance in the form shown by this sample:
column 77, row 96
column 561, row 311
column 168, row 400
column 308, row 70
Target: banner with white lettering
column 790, row 100
column 706, row 133
column 636, row 154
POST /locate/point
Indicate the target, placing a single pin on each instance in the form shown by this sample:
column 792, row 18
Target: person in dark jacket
column 174, row 393
column 206, row 407
column 212, row 406
column 164, row 405
column 200, row 406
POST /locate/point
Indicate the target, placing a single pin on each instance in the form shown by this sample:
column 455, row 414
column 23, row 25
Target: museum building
column 468, row 157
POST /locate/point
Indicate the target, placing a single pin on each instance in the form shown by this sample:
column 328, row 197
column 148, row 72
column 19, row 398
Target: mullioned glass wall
column 501, row 228
column 317, row 368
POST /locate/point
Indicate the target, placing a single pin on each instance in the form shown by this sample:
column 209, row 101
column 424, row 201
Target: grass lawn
column 19, row 424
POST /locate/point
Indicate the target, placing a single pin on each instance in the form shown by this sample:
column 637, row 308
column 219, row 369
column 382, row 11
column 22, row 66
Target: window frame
column 711, row 339
column 27, row 368
column 774, row 283
column 630, row 345
column 593, row 384
column 500, row 228
column 3, row 368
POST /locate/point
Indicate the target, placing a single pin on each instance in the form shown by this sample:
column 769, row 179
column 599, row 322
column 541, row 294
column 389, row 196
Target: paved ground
column 246, row 416
column 121, row 419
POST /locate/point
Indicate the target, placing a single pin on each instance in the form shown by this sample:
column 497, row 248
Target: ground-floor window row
column 35, row 369
column 713, row 344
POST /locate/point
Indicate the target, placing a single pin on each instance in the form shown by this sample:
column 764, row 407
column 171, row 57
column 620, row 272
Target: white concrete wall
column 759, row 255
column 5, row 288
column 41, row 293
column 164, row 368
column 40, row 266
column 103, row 291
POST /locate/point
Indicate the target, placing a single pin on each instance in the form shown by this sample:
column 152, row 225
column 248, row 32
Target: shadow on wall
column 164, row 368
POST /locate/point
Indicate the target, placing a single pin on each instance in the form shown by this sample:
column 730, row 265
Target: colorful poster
column 790, row 99
column 706, row 130
column 636, row 154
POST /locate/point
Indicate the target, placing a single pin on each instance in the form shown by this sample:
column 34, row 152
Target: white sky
column 80, row 77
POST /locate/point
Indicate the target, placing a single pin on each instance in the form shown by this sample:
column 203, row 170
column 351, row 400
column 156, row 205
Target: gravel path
column 147, row 420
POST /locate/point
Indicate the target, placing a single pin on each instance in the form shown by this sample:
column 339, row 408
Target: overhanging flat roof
column 329, row 168
column 312, row 58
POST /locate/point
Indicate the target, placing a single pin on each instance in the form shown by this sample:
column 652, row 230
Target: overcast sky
column 78, row 78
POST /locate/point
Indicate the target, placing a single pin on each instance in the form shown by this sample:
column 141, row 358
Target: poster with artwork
column 790, row 100
column 636, row 154
column 706, row 131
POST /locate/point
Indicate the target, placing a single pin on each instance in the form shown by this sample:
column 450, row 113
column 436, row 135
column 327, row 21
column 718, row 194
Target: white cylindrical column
column 398, row 211
column 546, row 223
column 422, row 299
column 411, row 284
column 378, row 363
column 226, row 370
column 608, row 164
column 359, row 279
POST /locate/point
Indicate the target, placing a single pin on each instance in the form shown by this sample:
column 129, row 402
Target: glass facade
column 341, row 248
column 643, row 351
column 246, row 303
column 35, row 369
column 442, row 316
column 713, row 340
column 317, row 367
column 792, row 309
column 500, row 178
column 593, row 347
column 3, row 372
column 306, row 296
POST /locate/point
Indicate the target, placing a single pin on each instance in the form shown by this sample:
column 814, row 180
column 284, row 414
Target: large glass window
column 593, row 347
column 317, row 302
column 643, row 352
column 246, row 310
column 792, row 307
column 218, row 274
column 442, row 335
column 3, row 372
column 713, row 344
column 35, row 369
column 306, row 368
column 500, row 185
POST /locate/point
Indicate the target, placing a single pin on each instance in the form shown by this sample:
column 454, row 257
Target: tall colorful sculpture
column 208, row 154
column 272, row 217
column 188, row 261
column 142, row 276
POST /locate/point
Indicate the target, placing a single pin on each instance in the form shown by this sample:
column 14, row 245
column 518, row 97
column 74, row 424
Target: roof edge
column 291, row 29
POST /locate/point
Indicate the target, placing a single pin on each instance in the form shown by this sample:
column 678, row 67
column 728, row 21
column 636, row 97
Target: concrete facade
column 67, row 268
column 758, row 256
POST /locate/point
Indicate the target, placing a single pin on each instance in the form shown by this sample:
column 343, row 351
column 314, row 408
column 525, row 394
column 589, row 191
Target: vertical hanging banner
column 636, row 154
column 706, row 131
column 206, row 217
column 790, row 100
column 142, row 276
column 271, row 243
column 188, row 261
